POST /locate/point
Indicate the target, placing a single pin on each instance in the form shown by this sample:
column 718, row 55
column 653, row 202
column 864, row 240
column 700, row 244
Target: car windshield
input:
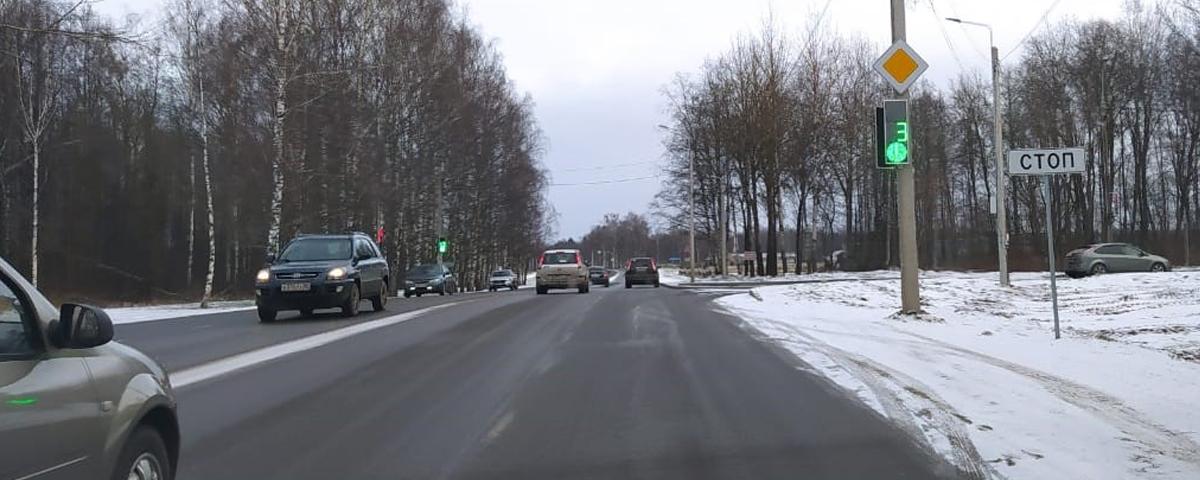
column 424, row 271
column 642, row 262
column 566, row 258
column 596, row 269
column 502, row 273
column 316, row 249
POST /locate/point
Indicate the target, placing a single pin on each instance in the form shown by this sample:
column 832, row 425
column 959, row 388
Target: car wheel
column 1074, row 274
column 1099, row 269
column 628, row 284
column 583, row 288
column 306, row 312
column 266, row 315
column 1158, row 268
column 144, row 457
column 407, row 295
column 379, row 303
column 350, row 308
column 656, row 284
column 541, row 291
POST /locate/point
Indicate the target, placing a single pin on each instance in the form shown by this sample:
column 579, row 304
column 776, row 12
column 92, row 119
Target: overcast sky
column 596, row 69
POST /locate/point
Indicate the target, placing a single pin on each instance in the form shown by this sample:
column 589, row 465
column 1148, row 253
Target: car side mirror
column 80, row 327
column 270, row 258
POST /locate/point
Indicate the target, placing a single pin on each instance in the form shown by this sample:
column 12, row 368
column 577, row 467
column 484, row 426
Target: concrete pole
column 910, row 294
column 692, row 216
column 1001, row 178
column 725, row 234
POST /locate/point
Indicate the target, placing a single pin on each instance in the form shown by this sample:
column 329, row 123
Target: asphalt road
column 644, row 383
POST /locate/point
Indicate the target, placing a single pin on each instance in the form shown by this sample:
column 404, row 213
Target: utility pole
column 910, row 295
column 1001, row 179
column 998, row 146
column 724, row 204
column 692, row 216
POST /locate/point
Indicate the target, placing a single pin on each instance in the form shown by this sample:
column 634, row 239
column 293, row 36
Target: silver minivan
column 74, row 404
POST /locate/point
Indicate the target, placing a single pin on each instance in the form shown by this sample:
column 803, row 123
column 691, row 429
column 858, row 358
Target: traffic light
column 442, row 245
column 892, row 134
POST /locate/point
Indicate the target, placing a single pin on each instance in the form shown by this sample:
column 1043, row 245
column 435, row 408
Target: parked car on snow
column 1101, row 258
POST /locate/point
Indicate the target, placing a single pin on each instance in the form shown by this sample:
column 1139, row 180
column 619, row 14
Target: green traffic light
column 442, row 245
column 897, row 153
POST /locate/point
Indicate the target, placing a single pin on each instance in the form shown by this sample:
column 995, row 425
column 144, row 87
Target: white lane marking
column 499, row 427
column 227, row 365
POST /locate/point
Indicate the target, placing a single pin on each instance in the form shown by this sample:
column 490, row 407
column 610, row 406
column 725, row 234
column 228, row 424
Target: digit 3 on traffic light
column 892, row 134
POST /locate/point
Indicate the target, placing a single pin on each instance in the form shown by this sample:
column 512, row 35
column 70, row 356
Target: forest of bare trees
column 164, row 161
column 781, row 133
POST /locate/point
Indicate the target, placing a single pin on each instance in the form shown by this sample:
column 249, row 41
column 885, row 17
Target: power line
column 1034, row 29
column 603, row 167
column 941, row 23
column 605, row 182
column 970, row 39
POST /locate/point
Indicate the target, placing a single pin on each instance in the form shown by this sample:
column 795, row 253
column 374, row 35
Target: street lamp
column 691, row 214
column 1001, row 186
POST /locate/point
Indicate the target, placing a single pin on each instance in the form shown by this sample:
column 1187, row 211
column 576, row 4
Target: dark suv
column 323, row 271
column 641, row 271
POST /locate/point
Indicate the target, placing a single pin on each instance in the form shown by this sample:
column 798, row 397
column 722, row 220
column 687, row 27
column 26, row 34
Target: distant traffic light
column 892, row 134
column 442, row 245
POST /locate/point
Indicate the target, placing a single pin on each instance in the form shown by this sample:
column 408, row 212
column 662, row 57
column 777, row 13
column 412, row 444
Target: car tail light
column 578, row 258
column 653, row 265
column 541, row 260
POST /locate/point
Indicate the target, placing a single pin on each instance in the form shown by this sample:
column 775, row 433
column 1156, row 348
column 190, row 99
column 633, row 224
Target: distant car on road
column 561, row 269
column 74, row 403
column 502, row 279
column 599, row 276
column 323, row 271
column 429, row 278
column 641, row 271
column 1101, row 258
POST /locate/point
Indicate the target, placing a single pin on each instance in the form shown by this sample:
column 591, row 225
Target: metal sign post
column 1050, row 247
column 1045, row 163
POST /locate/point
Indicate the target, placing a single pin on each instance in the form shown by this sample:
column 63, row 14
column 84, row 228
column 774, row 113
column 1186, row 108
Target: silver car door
column 49, row 412
column 1137, row 260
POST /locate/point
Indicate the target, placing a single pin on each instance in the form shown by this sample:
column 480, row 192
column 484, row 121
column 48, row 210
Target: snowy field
column 981, row 378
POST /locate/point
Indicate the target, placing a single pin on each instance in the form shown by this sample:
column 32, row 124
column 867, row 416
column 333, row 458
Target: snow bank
column 126, row 315
column 982, row 379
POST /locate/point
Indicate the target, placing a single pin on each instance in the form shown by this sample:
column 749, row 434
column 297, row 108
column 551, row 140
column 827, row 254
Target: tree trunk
column 208, row 201
column 33, row 244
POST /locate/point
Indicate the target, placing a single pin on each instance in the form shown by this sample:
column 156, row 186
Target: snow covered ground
column 981, row 378
column 673, row 276
column 163, row 312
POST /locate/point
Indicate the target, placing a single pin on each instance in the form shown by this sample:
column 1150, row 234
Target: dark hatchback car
column 323, row 271
column 598, row 276
column 641, row 271
column 430, row 278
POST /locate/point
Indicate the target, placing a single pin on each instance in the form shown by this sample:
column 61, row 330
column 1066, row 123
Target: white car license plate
column 296, row 287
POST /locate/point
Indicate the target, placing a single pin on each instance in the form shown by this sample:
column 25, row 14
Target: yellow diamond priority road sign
column 900, row 66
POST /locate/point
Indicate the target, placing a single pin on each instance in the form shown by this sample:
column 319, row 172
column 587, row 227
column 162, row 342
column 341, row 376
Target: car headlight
column 336, row 273
column 263, row 276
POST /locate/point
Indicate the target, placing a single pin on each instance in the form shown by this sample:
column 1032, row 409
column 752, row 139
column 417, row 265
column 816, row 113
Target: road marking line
column 241, row 361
